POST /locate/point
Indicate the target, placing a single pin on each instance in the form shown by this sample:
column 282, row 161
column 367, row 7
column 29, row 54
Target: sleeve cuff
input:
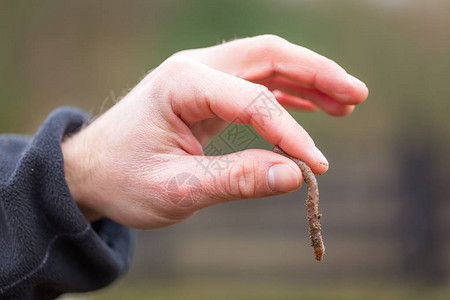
column 56, row 245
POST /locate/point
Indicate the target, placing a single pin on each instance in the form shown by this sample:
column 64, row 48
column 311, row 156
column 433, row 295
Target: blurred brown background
column 385, row 199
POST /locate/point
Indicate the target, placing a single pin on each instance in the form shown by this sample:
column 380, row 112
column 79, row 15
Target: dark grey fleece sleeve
column 47, row 247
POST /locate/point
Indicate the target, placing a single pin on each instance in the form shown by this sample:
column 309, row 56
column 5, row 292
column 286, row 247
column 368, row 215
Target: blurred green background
column 385, row 199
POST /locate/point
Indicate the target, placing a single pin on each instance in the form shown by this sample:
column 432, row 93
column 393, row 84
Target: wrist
column 78, row 173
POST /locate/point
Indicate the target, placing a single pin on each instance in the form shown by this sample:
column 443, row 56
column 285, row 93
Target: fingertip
column 342, row 86
column 349, row 110
column 313, row 157
column 343, row 111
column 318, row 167
column 358, row 91
column 321, row 168
column 321, row 164
column 364, row 93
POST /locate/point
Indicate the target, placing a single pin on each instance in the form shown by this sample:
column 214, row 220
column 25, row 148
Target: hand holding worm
column 141, row 163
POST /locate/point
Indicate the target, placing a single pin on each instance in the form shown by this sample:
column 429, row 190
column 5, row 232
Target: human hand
column 130, row 164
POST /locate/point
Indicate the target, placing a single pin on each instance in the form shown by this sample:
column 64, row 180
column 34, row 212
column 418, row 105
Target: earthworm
column 311, row 203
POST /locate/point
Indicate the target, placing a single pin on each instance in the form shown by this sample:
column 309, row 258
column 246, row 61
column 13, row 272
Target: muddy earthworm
column 311, row 203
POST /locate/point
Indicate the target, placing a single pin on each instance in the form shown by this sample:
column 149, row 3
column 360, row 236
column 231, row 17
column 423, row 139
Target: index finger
column 210, row 93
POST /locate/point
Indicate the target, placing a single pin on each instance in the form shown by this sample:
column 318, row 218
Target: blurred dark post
column 418, row 220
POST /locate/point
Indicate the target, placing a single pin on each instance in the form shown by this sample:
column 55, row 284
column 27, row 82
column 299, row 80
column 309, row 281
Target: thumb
column 242, row 175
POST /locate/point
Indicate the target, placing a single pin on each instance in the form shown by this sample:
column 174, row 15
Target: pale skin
column 120, row 165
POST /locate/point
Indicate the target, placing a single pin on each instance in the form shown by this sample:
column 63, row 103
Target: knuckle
column 265, row 48
column 242, row 180
column 178, row 64
column 179, row 53
column 262, row 89
column 269, row 43
column 266, row 92
column 269, row 39
column 170, row 74
column 187, row 53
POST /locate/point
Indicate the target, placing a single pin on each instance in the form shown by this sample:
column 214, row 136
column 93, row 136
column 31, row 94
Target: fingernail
column 355, row 80
column 283, row 178
column 320, row 157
